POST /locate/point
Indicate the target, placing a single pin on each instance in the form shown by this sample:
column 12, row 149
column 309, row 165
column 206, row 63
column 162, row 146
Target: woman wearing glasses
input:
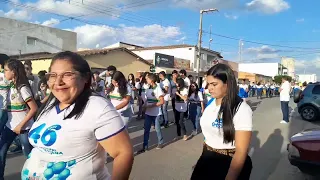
column 21, row 109
column 226, row 124
column 75, row 128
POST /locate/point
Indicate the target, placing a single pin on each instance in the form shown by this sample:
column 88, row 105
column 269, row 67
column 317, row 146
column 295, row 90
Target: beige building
column 254, row 77
column 122, row 58
column 289, row 63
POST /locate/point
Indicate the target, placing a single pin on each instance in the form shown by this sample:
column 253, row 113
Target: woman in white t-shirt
column 21, row 108
column 226, row 124
column 120, row 96
column 75, row 128
column 196, row 106
column 181, row 104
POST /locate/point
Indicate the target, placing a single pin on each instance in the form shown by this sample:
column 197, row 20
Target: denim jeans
column 6, row 140
column 180, row 123
column 3, row 119
column 285, row 110
column 164, row 109
column 194, row 114
column 149, row 120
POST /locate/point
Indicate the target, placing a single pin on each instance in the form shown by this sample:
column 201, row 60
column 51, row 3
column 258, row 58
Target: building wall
column 40, row 65
column 124, row 62
column 308, row 78
column 289, row 63
column 266, row 69
column 254, row 77
column 14, row 35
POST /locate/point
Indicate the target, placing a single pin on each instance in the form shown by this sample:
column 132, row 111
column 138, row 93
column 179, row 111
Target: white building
column 266, row 69
column 307, row 78
column 289, row 63
column 185, row 52
column 17, row 37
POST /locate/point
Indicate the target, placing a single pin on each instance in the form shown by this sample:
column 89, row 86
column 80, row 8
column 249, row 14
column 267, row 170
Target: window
column 31, row 41
column 316, row 89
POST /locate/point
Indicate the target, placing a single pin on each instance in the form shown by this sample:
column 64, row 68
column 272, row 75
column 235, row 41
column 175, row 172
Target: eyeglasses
column 65, row 77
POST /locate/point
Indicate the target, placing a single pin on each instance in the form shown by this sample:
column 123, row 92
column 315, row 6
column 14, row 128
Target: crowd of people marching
column 66, row 119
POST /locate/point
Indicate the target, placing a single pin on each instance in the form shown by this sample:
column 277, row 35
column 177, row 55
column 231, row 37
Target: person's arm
column 201, row 101
column 243, row 131
column 103, row 75
column 44, row 100
column 183, row 95
column 125, row 102
column 111, row 134
column 120, row 148
column 27, row 97
column 159, row 103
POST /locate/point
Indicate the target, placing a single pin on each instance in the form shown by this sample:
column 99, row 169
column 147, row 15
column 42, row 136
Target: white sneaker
column 284, row 122
column 194, row 133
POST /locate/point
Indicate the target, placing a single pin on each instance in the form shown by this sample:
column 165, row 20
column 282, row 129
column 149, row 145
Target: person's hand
column 17, row 129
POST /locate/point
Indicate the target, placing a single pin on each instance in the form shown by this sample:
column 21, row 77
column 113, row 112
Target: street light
column 200, row 38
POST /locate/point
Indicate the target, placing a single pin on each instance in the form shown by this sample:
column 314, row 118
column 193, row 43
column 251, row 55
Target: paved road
column 174, row 161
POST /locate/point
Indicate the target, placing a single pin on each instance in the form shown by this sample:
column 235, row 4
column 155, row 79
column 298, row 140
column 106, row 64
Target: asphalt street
column 175, row 160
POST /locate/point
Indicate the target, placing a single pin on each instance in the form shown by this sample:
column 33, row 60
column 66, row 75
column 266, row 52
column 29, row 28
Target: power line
column 261, row 43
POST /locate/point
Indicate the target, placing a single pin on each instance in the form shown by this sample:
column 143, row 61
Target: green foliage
column 278, row 79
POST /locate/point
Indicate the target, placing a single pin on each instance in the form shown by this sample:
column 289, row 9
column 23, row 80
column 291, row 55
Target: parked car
column 308, row 102
column 303, row 151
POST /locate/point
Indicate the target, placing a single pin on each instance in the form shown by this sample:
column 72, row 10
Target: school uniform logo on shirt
column 217, row 123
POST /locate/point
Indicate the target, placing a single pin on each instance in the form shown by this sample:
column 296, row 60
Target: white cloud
column 18, row 14
column 300, row 20
column 311, row 66
column 89, row 36
column 51, row 22
column 262, row 50
column 231, row 16
column 199, row 4
column 268, row 6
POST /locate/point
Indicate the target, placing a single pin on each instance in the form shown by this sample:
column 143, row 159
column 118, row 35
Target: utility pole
column 240, row 50
column 200, row 40
column 210, row 40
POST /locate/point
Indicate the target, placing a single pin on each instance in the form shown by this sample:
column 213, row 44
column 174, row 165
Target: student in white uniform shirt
column 21, row 109
column 226, row 125
column 75, row 128
column 196, row 106
column 155, row 99
column 144, row 87
column 173, row 83
column 166, row 88
column 4, row 88
column 98, row 84
column 181, row 108
column 120, row 96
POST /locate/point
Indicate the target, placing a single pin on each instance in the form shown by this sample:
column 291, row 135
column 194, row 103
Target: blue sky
column 278, row 27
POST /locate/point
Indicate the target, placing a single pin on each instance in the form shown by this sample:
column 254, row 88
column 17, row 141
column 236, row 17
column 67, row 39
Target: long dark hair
column 133, row 83
column 122, row 83
column 80, row 65
column 196, row 91
column 21, row 78
column 181, row 84
column 230, row 102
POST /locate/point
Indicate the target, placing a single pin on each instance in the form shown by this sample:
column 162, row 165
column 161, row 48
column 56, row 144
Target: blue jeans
column 194, row 114
column 285, row 110
column 147, row 126
column 6, row 140
column 3, row 119
column 164, row 109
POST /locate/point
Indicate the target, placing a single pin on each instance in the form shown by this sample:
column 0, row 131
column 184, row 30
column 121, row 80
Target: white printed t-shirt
column 70, row 149
column 144, row 88
column 116, row 98
column 181, row 105
column 4, row 89
column 212, row 129
column 152, row 96
column 285, row 93
column 17, row 106
column 163, row 84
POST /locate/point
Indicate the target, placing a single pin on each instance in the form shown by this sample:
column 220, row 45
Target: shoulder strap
column 209, row 102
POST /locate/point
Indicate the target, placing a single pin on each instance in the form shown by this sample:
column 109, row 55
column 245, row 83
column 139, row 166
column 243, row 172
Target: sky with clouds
column 269, row 29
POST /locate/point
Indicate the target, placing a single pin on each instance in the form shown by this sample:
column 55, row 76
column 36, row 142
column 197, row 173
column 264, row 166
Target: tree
column 278, row 79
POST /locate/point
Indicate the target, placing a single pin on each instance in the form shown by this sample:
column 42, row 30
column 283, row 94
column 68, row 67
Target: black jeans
column 285, row 110
column 179, row 118
column 214, row 166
